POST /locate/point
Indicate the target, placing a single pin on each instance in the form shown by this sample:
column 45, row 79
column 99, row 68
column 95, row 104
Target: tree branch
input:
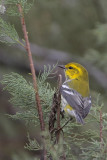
column 32, row 68
column 28, row 49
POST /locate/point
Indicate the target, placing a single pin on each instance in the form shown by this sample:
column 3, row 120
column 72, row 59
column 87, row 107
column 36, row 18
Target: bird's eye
column 70, row 67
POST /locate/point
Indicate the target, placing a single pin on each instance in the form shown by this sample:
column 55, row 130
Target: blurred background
column 59, row 31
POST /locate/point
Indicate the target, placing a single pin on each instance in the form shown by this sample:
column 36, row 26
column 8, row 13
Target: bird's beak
column 61, row 66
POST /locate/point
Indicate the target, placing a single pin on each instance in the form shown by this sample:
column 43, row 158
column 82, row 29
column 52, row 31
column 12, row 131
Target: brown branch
column 28, row 49
column 32, row 68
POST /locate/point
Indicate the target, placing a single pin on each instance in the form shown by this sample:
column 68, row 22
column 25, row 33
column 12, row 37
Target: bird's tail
column 79, row 118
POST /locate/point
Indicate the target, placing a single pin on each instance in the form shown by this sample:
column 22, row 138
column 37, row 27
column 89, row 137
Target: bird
column 75, row 94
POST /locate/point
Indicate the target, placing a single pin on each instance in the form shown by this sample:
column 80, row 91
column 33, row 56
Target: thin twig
column 28, row 49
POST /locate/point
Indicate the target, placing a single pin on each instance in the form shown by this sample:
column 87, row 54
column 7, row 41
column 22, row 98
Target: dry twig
column 55, row 110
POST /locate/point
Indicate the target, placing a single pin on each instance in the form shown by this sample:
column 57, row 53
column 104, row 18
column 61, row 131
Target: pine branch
column 8, row 34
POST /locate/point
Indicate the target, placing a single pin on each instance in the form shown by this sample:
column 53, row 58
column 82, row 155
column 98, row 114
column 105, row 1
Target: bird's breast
column 80, row 86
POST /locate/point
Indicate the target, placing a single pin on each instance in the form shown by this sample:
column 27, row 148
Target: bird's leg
column 65, row 124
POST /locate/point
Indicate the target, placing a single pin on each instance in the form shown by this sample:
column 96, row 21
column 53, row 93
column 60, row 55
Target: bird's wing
column 87, row 106
column 75, row 100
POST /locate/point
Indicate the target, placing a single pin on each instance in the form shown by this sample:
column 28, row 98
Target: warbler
column 75, row 95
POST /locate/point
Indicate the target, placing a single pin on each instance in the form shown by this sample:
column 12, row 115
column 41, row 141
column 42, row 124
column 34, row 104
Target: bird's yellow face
column 77, row 78
column 75, row 71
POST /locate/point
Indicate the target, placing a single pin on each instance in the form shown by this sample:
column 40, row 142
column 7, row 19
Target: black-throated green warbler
column 75, row 98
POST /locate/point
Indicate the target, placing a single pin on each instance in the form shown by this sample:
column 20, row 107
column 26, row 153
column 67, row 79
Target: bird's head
column 75, row 71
